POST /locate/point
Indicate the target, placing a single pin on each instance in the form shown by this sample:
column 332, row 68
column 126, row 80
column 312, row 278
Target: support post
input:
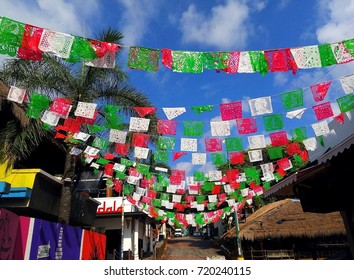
column 238, row 240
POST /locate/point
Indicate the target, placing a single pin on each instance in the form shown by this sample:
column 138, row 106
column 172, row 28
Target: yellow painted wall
column 18, row 177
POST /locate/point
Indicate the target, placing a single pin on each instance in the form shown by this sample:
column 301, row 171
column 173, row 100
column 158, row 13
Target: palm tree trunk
column 67, row 189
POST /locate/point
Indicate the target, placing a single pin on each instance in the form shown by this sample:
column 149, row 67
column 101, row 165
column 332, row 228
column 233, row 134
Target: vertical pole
column 122, row 224
column 238, row 240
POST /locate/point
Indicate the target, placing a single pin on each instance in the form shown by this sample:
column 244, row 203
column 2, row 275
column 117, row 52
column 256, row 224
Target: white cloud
column 208, row 166
column 226, row 27
column 134, row 23
column 338, row 21
column 188, row 167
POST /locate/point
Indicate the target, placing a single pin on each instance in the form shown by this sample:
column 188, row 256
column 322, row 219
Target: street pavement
column 191, row 248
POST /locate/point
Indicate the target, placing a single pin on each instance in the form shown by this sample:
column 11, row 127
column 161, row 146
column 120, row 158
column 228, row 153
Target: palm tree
column 56, row 77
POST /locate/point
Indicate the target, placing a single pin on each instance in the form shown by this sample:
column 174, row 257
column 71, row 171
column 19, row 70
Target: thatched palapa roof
column 284, row 219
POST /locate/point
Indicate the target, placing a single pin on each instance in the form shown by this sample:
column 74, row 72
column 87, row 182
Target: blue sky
column 220, row 25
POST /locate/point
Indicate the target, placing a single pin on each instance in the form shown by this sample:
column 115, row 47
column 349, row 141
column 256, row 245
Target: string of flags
column 204, row 197
column 175, row 198
column 26, row 41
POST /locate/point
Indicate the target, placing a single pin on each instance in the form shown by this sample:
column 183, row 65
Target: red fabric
column 151, row 193
column 122, row 149
column 213, row 144
column 60, row 106
column 31, row 38
column 175, row 180
column 232, row 174
column 143, row 111
column 279, row 138
column 246, row 125
column 88, row 120
column 177, row 155
column 194, row 188
column 231, row 111
column 222, row 197
column 167, row 127
column 340, row 118
column 146, row 199
column 189, row 198
column 109, row 156
column 237, row 157
column 293, row 148
column 108, row 169
column 101, row 48
column 234, row 60
column 72, row 125
column 234, row 185
column 140, row 140
column 29, row 55
column 319, row 91
column 304, row 155
column 283, row 164
column 323, row 110
column 118, row 186
column 179, row 173
column 166, row 57
column 216, row 189
column 280, row 61
column 178, row 206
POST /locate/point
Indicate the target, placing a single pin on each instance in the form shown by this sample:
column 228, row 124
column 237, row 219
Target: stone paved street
column 191, row 248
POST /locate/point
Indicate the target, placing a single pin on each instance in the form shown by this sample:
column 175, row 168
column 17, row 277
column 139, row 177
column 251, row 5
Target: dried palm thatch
column 286, row 219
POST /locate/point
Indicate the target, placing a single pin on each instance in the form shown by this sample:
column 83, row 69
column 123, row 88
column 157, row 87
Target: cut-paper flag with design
column 220, row 128
column 141, row 152
column 177, row 155
column 273, row 122
column 296, row 113
column 139, row 124
column 140, row 140
column 198, row 158
column 202, row 108
column 346, row 103
column 320, row 128
column 16, row 94
column 244, row 64
column 255, row 155
column 107, row 61
column 319, row 91
column 347, row 83
column 56, row 43
column 141, row 58
column 233, row 144
column 117, row 136
column 172, row 113
column 189, row 144
column 341, row 53
column 50, row 118
column 187, row 62
column 260, row 106
column 143, row 111
column 292, row 99
column 166, row 127
column 256, row 142
column 246, row 125
column 310, row 144
column 213, row 144
column 86, row 110
column 231, row 111
column 193, row 128
column 306, row 57
column 323, row 110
